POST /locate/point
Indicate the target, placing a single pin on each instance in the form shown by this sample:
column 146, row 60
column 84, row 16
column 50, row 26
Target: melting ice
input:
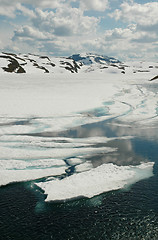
column 33, row 113
column 104, row 178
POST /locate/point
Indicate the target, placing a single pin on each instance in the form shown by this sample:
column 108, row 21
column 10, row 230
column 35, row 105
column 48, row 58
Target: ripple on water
column 121, row 215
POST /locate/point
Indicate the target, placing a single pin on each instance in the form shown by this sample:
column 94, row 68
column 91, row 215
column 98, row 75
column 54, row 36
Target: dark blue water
column 116, row 215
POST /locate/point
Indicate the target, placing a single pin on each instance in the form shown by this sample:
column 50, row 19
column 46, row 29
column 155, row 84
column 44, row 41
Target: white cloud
column 46, row 3
column 120, row 33
column 27, row 32
column 62, row 47
column 8, row 11
column 142, row 38
column 124, row 43
column 143, row 14
column 62, row 31
column 8, row 7
column 97, row 5
column 65, row 22
column 54, row 26
column 25, row 10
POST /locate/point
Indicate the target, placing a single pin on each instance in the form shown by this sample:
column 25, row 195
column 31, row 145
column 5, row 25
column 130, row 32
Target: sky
column 125, row 29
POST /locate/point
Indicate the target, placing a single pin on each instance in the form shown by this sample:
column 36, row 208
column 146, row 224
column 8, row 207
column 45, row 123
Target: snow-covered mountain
column 23, row 63
column 77, row 63
column 26, row 63
column 90, row 58
column 94, row 62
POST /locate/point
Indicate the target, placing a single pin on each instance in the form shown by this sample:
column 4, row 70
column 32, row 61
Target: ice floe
column 9, row 176
column 29, row 153
column 40, row 163
column 104, row 178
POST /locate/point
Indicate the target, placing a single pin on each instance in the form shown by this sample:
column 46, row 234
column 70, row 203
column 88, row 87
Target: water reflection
column 124, row 155
column 125, row 138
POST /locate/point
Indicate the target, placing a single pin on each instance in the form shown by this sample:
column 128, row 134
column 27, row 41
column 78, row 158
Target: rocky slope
column 26, row 63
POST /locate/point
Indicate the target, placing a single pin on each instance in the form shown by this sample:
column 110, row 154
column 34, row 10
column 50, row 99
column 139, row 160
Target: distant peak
column 89, row 58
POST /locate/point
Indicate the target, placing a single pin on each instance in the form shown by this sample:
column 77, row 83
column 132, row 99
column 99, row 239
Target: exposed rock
column 143, row 71
column 41, row 67
column 13, row 66
column 71, row 67
column 45, row 57
column 154, row 78
column 21, row 70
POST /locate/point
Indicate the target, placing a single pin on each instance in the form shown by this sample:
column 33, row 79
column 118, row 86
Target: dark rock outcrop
column 71, row 67
column 154, row 78
column 13, row 66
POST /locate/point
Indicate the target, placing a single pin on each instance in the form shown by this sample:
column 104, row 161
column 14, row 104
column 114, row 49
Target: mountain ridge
column 76, row 63
column 18, row 63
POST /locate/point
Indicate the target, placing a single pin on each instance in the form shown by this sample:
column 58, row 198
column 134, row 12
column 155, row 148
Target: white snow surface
column 60, row 102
